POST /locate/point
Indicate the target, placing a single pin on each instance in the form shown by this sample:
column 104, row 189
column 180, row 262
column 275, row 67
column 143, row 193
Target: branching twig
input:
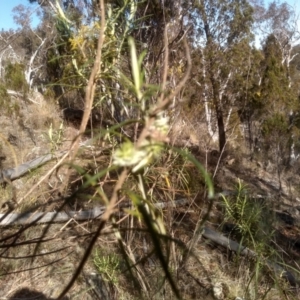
column 89, row 98
column 166, row 101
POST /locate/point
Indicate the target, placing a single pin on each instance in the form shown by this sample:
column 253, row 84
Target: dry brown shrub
column 44, row 114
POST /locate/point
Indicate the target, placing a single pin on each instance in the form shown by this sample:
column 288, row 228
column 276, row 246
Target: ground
column 40, row 260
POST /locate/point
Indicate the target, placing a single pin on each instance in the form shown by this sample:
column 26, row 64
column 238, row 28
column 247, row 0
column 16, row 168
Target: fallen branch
column 21, row 170
column 49, row 217
column 59, row 217
column 238, row 248
column 11, row 174
column 208, row 233
column 17, row 94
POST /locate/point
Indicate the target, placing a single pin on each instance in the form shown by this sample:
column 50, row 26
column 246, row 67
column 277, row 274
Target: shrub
column 15, row 78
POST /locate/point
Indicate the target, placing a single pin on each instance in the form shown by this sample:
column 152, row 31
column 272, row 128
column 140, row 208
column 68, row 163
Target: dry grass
column 46, row 260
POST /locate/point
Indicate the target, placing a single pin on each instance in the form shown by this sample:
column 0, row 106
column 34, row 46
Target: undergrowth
column 249, row 220
column 156, row 198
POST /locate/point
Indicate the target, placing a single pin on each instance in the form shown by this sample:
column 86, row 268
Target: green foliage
column 253, row 226
column 249, row 217
column 55, row 137
column 275, row 125
column 228, row 71
column 250, row 102
column 8, row 106
column 71, row 57
column 269, row 98
column 108, row 265
column 295, row 67
column 15, row 77
column 3, row 95
column 275, row 85
column 224, row 32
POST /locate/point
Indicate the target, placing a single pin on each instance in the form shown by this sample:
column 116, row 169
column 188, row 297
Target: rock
column 218, row 291
column 230, row 162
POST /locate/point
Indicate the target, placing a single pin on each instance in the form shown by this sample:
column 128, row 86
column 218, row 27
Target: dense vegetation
column 129, row 75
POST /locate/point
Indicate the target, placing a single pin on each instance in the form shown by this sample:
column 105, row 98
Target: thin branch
column 90, row 90
column 166, row 102
column 89, row 98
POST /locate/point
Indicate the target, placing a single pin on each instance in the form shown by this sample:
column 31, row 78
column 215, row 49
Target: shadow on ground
column 26, row 293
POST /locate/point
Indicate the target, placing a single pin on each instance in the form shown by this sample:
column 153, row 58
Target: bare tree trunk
column 219, row 112
column 221, row 127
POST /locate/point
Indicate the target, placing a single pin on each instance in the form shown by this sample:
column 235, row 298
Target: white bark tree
column 7, row 52
column 221, row 26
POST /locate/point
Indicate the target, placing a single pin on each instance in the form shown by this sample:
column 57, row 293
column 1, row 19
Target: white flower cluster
column 129, row 155
column 161, row 124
